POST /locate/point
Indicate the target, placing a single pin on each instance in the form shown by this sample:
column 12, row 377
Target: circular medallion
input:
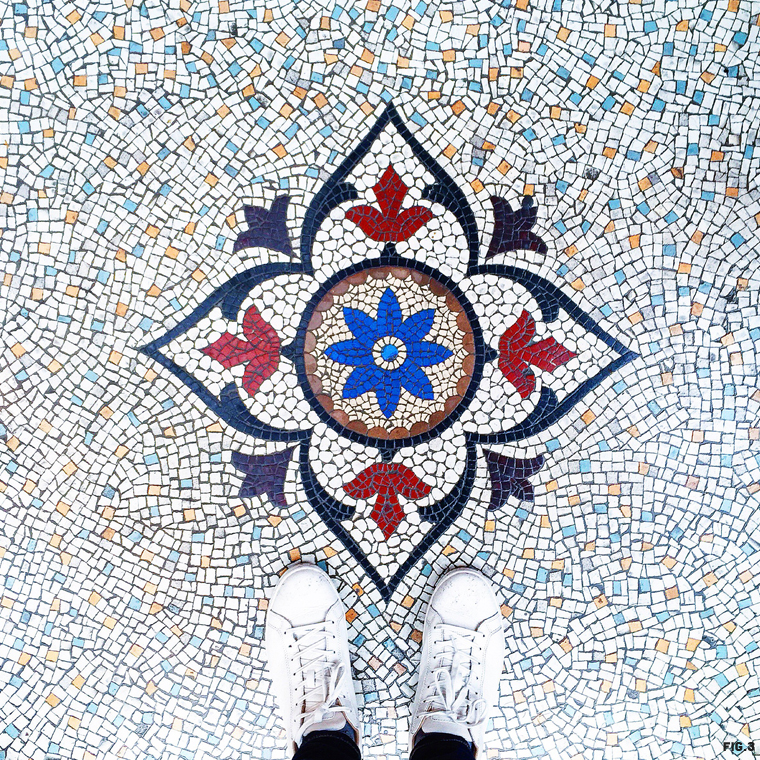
column 389, row 352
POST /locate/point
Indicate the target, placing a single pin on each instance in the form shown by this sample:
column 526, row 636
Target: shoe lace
column 320, row 685
column 455, row 652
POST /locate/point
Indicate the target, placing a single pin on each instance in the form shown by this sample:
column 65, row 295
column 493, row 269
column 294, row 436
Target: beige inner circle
column 415, row 291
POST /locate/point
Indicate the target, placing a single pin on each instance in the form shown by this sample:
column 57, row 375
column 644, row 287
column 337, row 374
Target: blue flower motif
column 389, row 353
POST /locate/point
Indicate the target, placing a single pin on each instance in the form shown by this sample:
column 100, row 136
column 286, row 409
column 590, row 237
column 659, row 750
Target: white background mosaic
column 135, row 579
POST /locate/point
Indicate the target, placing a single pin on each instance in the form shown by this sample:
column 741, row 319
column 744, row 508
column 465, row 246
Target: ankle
column 346, row 729
column 422, row 738
column 328, row 743
column 350, row 732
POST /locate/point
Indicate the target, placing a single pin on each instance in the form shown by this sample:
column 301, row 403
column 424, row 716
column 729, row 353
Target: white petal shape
column 279, row 400
column 340, row 243
column 499, row 302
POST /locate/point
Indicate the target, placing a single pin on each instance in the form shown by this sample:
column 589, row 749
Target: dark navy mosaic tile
column 391, row 290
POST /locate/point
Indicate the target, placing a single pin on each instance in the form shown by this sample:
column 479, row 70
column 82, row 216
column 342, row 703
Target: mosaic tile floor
column 391, row 288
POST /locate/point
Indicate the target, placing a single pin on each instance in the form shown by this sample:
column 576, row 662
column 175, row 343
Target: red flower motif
column 261, row 350
column 515, row 355
column 387, row 481
column 390, row 225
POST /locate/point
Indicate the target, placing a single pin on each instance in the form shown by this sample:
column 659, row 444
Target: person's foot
column 307, row 648
column 462, row 659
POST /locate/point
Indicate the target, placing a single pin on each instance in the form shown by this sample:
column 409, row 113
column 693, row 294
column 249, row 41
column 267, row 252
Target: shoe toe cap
column 464, row 598
column 304, row 595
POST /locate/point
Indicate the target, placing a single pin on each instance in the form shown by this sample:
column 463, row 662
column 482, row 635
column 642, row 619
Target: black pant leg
column 327, row 745
column 442, row 747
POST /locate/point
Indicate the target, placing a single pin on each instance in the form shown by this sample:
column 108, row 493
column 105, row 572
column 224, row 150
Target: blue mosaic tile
column 389, row 289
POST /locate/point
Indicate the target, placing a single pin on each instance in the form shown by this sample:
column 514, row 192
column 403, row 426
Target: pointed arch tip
column 444, row 186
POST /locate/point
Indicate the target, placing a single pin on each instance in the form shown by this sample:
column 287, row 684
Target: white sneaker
column 307, row 647
column 462, row 659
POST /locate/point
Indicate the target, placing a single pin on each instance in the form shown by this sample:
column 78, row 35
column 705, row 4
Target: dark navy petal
column 388, row 392
column 350, row 352
column 362, row 380
column 426, row 353
column 266, row 227
column 264, row 475
column 389, row 315
column 361, row 325
column 416, row 381
column 416, row 327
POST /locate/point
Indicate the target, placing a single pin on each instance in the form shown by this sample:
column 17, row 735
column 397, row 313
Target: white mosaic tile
column 572, row 219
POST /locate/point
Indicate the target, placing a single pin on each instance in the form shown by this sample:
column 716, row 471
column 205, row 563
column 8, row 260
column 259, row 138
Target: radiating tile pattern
column 571, row 189
column 363, row 363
